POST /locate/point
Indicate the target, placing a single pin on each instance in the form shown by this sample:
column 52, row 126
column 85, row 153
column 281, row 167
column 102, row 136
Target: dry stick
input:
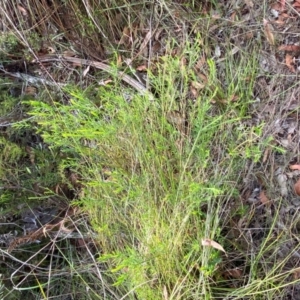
column 24, row 263
column 101, row 66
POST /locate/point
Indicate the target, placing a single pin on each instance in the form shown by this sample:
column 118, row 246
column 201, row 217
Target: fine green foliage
column 152, row 189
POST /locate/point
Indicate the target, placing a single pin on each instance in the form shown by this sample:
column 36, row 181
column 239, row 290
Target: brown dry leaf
column 232, row 16
column 201, row 62
column 297, row 187
column 268, row 33
column 296, row 4
column 295, row 167
column 156, row 47
column 282, row 18
column 211, row 243
column 80, row 243
column 194, row 92
column 289, row 61
column 276, row 6
column 146, row 40
column 286, row 16
column 264, row 199
column 289, row 48
column 22, row 10
column 203, row 77
column 126, row 36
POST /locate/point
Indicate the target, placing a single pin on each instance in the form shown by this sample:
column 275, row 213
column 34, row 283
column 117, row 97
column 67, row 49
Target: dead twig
column 101, row 66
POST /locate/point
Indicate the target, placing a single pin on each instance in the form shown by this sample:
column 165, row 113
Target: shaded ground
column 262, row 222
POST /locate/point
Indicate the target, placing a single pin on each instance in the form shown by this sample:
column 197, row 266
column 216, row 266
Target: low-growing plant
column 153, row 189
